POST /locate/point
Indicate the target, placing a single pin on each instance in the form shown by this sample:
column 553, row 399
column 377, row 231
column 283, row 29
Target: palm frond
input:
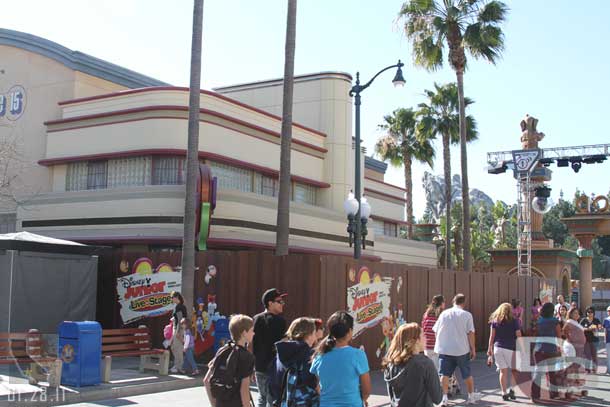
column 493, row 12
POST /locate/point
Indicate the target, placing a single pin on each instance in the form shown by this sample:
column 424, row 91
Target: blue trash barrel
column 221, row 333
column 80, row 349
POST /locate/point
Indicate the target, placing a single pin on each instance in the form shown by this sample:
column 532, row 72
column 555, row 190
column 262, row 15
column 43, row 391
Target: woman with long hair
column 177, row 341
column 535, row 310
column 294, row 357
column 562, row 315
column 428, row 320
column 343, row 371
column 574, row 351
column 411, row 378
column 504, row 331
column 591, row 325
column 517, row 310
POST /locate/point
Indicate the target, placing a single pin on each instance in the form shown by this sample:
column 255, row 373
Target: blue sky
column 555, row 67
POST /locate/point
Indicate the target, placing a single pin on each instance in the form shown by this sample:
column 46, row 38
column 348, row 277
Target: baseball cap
column 608, row 309
column 272, row 294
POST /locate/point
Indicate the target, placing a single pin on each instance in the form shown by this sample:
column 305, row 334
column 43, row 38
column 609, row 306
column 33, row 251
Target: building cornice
column 178, row 152
column 375, row 165
column 85, row 121
column 279, row 81
column 76, row 60
column 184, row 89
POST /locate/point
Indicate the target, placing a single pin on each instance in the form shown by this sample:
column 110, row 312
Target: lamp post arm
column 357, row 88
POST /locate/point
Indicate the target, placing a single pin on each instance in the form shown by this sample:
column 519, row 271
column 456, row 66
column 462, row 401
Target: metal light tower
column 530, row 168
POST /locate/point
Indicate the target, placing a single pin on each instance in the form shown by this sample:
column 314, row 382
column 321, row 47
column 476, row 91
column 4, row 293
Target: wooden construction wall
column 317, row 286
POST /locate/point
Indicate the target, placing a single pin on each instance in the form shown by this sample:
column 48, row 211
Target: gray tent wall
column 48, row 289
column 5, row 269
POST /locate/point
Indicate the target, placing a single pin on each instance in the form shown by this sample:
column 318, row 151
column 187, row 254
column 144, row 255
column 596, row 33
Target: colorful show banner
column 368, row 301
column 147, row 295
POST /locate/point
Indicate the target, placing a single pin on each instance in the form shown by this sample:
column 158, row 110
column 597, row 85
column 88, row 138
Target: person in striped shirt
column 429, row 319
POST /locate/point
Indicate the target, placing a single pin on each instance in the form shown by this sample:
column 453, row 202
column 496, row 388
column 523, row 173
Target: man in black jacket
column 269, row 328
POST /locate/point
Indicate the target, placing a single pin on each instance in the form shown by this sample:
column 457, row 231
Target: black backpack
column 224, row 382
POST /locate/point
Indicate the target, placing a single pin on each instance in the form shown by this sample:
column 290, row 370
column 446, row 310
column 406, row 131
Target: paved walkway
column 129, row 387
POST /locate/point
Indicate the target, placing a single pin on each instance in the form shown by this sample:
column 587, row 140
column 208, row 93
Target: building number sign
column 12, row 103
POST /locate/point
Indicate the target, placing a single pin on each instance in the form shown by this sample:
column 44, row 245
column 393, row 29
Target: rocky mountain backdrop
column 434, row 185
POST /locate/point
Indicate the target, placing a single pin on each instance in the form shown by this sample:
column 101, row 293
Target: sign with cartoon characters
column 368, row 301
column 146, row 291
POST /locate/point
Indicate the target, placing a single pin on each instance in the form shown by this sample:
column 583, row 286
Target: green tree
column 458, row 25
column 439, row 116
column 283, row 200
column 400, row 147
column 192, row 161
column 553, row 227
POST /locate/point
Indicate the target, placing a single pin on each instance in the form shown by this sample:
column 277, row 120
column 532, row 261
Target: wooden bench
column 25, row 348
column 132, row 342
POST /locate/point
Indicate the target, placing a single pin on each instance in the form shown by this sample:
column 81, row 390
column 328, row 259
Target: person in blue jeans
column 189, row 347
column 454, row 331
column 606, row 325
column 343, row 371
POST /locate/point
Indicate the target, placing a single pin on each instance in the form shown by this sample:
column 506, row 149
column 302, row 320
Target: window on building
column 7, row 222
column 76, row 176
column 270, row 186
column 390, row 229
column 304, row 193
column 126, row 172
column 97, row 175
column 168, row 170
column 230, row 177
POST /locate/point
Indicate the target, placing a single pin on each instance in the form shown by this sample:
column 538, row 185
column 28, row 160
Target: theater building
column 102, row 153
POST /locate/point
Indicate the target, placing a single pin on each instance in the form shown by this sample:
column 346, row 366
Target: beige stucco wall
column 172, row 134
column 321, row 102
column 46, row 82
column 406, row 251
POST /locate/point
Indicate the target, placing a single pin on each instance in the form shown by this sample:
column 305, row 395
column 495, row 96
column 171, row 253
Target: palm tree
column 283, row 200
column 440, row 116
column 459, row 25
column 400, row 146
column 192, row 161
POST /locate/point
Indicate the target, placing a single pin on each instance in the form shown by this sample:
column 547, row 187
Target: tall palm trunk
column 408, row 163
column 192, row 161
column 283, row 204
column 467, row 260
column 447, row 171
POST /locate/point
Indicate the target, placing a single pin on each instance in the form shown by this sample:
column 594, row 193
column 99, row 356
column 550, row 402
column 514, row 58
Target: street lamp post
column 355, row 92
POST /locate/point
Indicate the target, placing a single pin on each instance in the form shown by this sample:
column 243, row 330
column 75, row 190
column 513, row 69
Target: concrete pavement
column 129, row 387
column 486, row 382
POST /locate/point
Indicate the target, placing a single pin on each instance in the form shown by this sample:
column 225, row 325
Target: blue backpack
column 295, row 393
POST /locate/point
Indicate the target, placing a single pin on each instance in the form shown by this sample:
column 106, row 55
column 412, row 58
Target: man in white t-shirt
column 455, row 346
column 560, row 301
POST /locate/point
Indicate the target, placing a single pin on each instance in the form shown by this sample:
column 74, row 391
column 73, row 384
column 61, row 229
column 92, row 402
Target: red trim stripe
column 219, row 243
column 182, row 153
column 175, row 108
column 385, row 183
column 181, row 88
column 398, row 198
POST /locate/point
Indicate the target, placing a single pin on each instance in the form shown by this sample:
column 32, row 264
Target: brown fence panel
column 448, row 286
column 417, row 283
column 477, row 306
column 503, row 289
column 491, row 297
column 435, row 283
column 462, row 285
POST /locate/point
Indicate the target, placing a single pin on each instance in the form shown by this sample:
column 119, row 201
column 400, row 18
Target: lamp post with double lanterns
column 356, row 207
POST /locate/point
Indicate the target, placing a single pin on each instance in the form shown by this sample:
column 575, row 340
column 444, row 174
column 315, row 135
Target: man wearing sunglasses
column 269, row 328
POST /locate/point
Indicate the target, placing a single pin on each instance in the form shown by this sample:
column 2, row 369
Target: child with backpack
column 291, row 383
column 189, row 346
column 227, row 381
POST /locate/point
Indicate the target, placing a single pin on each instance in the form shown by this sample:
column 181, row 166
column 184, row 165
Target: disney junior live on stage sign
column 146, row 292
column 368, row 301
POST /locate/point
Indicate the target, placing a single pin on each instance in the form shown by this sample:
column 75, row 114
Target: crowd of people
column 307, row 364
